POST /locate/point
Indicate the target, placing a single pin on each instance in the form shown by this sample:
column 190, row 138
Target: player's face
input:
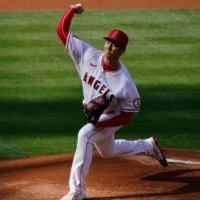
column 112, row 50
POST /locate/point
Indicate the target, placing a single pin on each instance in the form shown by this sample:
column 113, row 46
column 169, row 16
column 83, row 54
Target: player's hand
column 79, row 8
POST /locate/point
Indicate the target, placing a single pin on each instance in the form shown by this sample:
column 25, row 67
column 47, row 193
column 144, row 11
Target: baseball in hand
column 78, row 7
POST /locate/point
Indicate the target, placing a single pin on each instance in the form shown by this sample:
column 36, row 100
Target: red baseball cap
column 118, row 37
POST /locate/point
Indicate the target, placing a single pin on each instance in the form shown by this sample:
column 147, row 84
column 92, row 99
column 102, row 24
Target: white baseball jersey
column 96, row 81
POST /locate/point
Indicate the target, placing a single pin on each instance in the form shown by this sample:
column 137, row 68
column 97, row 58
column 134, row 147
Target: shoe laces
column 157, row 153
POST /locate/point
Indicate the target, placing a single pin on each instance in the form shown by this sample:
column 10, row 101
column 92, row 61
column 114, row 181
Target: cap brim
column 111, row 39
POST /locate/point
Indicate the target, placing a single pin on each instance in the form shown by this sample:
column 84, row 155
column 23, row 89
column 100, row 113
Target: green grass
column 40, row 92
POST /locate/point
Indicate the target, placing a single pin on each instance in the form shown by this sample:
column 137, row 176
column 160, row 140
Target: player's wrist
column 72, row 9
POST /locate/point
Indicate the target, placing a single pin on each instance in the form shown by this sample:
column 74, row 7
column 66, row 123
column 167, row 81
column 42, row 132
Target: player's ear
column 122, row 50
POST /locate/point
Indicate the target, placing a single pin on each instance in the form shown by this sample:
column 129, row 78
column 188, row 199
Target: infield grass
column 40, row 92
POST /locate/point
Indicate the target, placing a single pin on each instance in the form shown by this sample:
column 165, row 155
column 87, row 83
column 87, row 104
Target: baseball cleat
column 157, row 153
column 74, row 196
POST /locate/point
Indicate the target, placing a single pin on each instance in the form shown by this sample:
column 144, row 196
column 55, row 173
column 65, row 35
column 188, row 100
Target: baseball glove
column 95, row 108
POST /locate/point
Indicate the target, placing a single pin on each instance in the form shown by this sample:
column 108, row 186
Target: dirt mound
column 139, row 177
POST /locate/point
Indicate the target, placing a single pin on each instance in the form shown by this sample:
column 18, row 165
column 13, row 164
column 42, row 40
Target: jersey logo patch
column 136, row 102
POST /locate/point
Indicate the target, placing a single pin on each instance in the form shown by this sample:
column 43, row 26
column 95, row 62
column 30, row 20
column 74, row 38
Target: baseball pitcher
column 110, row 98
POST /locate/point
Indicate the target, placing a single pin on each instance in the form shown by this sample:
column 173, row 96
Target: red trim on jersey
column 64, row 24
column 122, row 119
column 108, row 68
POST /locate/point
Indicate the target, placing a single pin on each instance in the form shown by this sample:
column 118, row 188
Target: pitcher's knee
column 82, row 136
column 85, row 134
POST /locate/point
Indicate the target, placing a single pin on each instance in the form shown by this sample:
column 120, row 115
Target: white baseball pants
column 106, row 145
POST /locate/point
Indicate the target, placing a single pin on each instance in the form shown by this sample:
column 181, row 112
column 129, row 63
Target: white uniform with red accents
column 96, row 81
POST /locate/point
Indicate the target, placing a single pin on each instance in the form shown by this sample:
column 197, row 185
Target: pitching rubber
column 173, row 162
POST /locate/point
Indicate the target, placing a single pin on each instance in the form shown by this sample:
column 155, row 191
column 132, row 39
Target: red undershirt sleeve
column 122, row 119
column 64, row 24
